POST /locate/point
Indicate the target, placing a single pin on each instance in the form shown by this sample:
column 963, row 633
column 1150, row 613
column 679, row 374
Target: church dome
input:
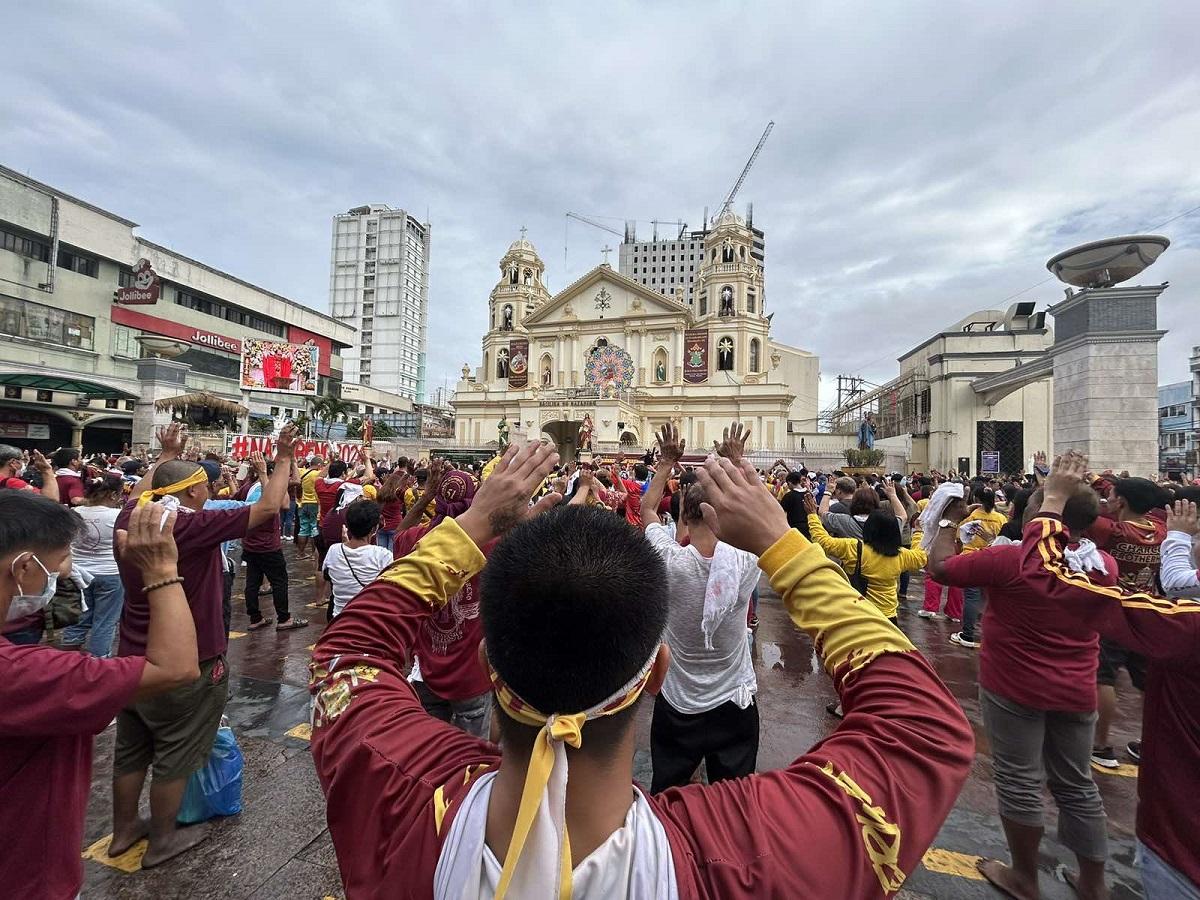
column 521, row 244
column 729, row 217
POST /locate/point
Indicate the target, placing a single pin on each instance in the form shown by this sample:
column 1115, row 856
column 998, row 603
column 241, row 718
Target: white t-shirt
column 700, row 679
column 350, row 569
column 92, row 549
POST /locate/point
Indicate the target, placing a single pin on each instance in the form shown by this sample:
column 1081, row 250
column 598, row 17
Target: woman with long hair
column 94, row 563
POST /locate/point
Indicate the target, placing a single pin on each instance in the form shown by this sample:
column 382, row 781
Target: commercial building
column 670, row 265
column 69, row 354
column 610, row 354
column 379, row 285
column 1177, row 444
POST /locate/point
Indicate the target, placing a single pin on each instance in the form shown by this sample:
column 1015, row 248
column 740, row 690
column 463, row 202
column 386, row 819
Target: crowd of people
column 492, row 630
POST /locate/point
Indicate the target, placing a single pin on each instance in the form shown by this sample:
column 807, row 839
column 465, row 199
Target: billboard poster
column 518, row 362
column 144, row 290
column 239, row 446
column 695, row 355
column 279, row 366
column 990, row 462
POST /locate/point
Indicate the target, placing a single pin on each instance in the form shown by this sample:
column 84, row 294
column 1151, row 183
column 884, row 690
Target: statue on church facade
column 502, row 432
column 585, row 433
column 660, row 373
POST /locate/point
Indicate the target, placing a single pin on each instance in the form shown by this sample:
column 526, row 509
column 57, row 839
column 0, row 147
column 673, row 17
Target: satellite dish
column 1108, row 262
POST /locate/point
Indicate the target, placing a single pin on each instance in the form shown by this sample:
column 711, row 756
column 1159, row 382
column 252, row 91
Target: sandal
column 292, row 623
column 260, row 624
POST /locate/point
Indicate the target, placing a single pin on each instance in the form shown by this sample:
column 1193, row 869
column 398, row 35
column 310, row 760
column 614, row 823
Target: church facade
column 606, row 361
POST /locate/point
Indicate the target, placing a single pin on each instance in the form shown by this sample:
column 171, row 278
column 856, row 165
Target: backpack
column 858, row 580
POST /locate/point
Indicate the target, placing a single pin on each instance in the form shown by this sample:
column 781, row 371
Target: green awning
column 66, row 385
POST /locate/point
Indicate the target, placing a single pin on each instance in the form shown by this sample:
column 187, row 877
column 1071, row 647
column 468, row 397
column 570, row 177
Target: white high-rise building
column 379, row 283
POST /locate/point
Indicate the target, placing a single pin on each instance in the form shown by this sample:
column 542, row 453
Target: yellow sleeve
column 914, row 559
column 847, row 630
column 843, row 548
column 436, row 568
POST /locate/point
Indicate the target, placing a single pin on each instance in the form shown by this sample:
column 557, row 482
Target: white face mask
column 26, row 604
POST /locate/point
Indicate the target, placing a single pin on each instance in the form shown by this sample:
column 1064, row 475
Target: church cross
column 523, row 230
column 606, row 250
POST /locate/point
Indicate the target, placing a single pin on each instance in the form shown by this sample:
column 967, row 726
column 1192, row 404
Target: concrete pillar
column 158, row 379
column 1106, row 377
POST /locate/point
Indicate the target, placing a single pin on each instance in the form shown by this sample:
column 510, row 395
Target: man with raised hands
column 574, row 610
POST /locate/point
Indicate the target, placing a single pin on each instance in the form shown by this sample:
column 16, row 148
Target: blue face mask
column 27, row 604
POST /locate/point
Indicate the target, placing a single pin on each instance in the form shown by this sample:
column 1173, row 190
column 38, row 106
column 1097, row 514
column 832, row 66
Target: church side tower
column 520, row 290
column 729, row 301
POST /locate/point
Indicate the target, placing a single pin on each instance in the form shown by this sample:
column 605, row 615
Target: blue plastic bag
column 216, row 790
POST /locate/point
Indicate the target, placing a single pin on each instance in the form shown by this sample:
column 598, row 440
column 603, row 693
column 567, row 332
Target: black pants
column 726, row 738
column 273, row 566
column 227, row 598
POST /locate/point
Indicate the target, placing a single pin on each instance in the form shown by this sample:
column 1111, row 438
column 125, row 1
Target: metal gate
column 1006, row 438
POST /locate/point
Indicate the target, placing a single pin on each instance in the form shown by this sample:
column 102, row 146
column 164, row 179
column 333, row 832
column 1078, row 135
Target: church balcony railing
column 730, row 268
column 551, row 396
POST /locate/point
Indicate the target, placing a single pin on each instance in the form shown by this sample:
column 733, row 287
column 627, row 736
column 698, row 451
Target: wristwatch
column 946, row 523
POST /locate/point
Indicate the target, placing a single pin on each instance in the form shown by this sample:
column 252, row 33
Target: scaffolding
column 901, row 406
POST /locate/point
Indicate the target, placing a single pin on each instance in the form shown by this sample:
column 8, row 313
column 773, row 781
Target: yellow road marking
column 234, row 635
column 315, row 605
column 1124, row 770
column 948, row 862
column 303, row 732
column 127, row 862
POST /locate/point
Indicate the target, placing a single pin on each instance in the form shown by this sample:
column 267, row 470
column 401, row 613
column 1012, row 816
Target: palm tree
column 330, row 410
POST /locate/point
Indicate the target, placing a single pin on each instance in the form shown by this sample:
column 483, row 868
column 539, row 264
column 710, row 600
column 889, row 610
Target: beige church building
column 606, row 361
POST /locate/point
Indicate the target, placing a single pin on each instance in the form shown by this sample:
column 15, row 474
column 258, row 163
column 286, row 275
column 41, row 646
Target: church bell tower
column 729, row 299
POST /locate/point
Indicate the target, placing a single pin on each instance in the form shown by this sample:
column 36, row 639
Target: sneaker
column 1105, row 757
column 957, row 638
column 927, row 614
column 1134, row 749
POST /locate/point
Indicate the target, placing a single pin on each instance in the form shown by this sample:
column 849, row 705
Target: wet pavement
column 279, row 846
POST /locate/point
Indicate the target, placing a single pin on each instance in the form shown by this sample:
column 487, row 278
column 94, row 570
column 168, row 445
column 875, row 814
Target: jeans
column 473, row 715
column 287, row 517
column 905, row 577
column 104, row 597
column 273, row 566
column 972, row 604
column 385, row 538
column 1161, row 880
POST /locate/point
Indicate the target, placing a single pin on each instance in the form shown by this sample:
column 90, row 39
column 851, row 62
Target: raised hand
column 502, row 501
column 1182, row 516
column 149, row 542
column 738, row 508
column 1066, row 474
column 285, row 444
column 670, row 445
column 810, row 503
column 733, row 442
column 172, row 439
column 258, row 462
column 39, row 462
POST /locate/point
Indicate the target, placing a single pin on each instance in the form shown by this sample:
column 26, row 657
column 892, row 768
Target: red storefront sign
column 145, row 288
column 155, row 325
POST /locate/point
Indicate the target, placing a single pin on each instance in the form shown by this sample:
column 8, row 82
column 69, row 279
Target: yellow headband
column 545, row 781
column 200, row 476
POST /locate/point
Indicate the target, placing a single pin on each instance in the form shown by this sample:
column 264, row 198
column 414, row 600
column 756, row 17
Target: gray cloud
column 927, row 159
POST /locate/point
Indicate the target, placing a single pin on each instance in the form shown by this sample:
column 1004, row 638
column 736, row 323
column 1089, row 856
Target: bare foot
column 1005, row 880
column 178, row 841
column 1098, row 892
column 123, row 840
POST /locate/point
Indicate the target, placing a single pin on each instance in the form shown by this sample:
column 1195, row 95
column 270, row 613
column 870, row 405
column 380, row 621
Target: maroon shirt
column 1036, row 653
column 199, row 536
column 69, row 487
column 52, row 704
column 1167, row 632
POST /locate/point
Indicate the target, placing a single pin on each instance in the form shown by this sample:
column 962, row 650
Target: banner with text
column 518, row 362
column 239, row 446
column 695, row 356
column 279, row 366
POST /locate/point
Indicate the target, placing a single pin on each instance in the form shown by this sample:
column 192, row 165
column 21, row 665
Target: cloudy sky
column 926, row 161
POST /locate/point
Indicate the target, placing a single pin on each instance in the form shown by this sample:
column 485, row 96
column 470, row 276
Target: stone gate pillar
column 158, row 379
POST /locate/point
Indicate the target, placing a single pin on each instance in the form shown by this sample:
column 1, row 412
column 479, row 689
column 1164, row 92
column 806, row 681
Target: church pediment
column 603, row 294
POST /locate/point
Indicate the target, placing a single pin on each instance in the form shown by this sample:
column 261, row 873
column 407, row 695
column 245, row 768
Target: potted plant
column 863, row 462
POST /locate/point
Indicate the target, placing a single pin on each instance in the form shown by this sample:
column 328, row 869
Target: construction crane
column 737, row 186
column 586, row 221
column 678, row 223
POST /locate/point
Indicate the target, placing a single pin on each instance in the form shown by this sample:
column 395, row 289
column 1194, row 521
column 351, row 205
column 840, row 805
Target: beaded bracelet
column 178, row 579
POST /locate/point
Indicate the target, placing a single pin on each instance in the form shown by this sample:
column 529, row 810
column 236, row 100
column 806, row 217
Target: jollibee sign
column 239, row 446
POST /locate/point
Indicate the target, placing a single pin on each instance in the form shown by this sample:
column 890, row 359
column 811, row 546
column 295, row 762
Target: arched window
column 704, row 303
column 742, row 253
column 754, row 354
column 547, row 370
column 508, row 316
column 714, row 255
column 751, row 302
column 502, row 362
column 528, row 276
column 512, row 275
column 725, row 354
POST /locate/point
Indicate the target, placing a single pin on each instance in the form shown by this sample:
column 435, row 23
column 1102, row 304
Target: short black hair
column 29, row 521
column 63, row 457
column 174, row 470
column 987, row 497
column 337, row 469
column 107, row 483
column 362, row 517
column 640, row 472
column 1020, row 500
column 794, row 477
column 579, row 593
column 1081, row 510
column 881, row 532
column 1141, row 494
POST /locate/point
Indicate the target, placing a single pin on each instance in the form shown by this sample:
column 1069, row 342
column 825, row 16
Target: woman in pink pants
column 933, row 601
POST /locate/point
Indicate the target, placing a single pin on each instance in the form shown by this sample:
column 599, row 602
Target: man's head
column 1079, row 512
column 337, row 469
column 176, row 470
column 843, row 488
column 12, row 461
column 864, row 501
column 1131, row 498
column 640, row 472
column 133, row 468
column 66, row 458
column 794, row 479
column 35, row 538
column 362, row 518
column 578, row 593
